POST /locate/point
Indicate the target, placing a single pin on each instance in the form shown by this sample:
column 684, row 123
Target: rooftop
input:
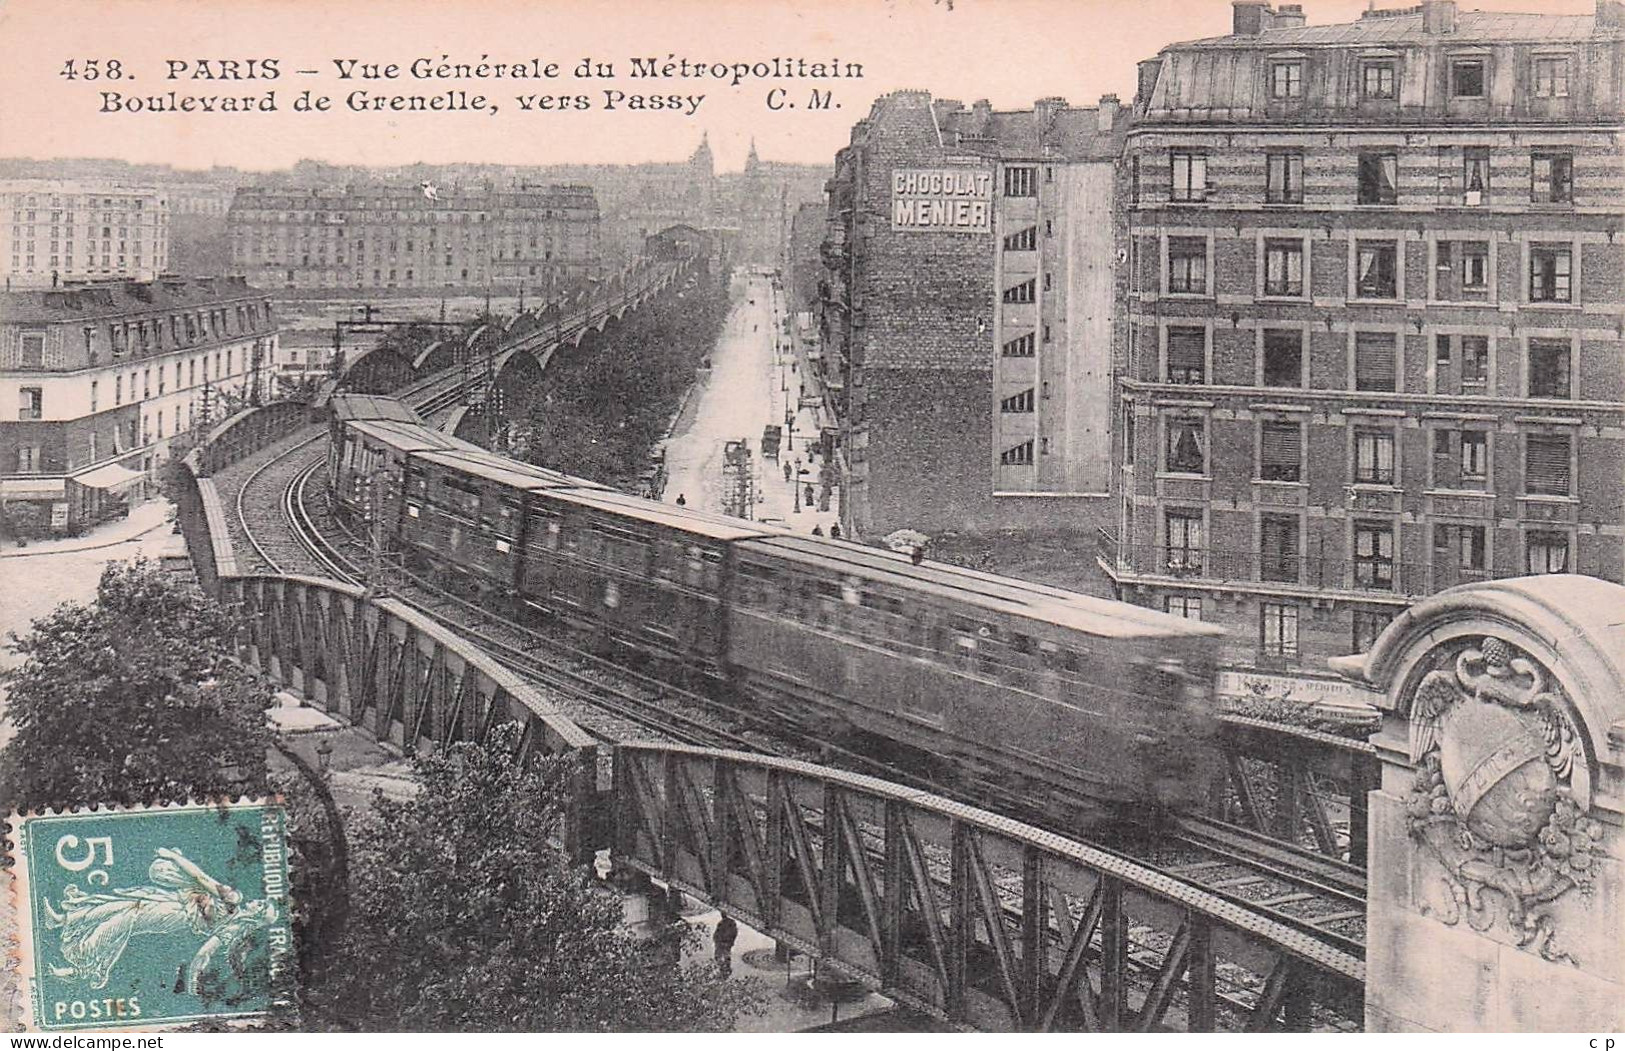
column 107, row 299
column 1259, row 25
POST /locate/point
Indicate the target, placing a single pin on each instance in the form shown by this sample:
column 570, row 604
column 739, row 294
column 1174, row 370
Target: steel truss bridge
column 975, row 919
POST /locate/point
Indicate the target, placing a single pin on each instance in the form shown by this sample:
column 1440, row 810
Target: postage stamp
column 153, row 916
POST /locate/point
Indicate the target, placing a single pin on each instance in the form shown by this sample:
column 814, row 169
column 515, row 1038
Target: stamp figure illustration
column 154, row 916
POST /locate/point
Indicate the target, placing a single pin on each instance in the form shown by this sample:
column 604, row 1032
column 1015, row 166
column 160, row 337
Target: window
column 1283, row 178
column 1187, row 355
column 28, row 459
column 1018, row 181
column 1475, row 457
column 1190, row 176
column 1379, row 178
column 1546, row 464
column 1376, row 269
column 1020, row 347
column 118, row 390
column 1374, row 555
column 1548, row 368
column 1283, row 267
column 1025, row 292
column 1368, row 625
column 1467, row 78
column 1022, row 402
column 1278, row 548
column 1456, row 548
column 32, row 351
column 1280, row 452
column 1375, row 361
column 1187, row 606
column 1283, row 358
column 1461, row 364
column 1475, row 266
column 30, row 403
column 1187, row 265
column 1278, row 629
column 1022, row 240
column 93, row 386
column 1018, row 456
column 1551, row 178
column 1286, row 80
column 1550, row 274
column 1475, row 175
column 1184, row 540
column 1187, row 448
column 1377, row 80
column 1373, row 457
column 1546, row 551
column 1551, row 78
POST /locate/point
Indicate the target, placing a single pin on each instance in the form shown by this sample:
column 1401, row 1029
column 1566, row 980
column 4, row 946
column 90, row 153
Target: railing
column 983, row 921
column 1373, row 576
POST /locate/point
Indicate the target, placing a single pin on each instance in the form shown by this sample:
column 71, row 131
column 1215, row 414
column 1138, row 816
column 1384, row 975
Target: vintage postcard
column 813, row 515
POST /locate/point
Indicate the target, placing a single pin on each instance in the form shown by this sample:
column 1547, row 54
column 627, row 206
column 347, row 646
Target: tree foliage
column 463, row 918
column 606, row 403
column 133, row 698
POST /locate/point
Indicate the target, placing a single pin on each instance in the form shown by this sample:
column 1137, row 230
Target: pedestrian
column 918, row 555
column 787, row 470
column 682, row 501
column 722, row 941
column 807, row 497
column 835, row 530
column 818, row 530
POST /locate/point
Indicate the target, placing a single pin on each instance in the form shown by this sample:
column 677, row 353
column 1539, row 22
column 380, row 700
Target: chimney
column 1044, row 111
column 1438, row 17
column 1288, row 16
column 1610, row 14
column 1107, row 113
column 1251, row 17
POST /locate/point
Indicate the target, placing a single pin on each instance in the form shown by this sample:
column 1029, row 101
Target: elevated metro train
column 1087, row 708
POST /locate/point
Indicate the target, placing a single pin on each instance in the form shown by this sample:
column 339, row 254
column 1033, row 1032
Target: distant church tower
column 703, row 178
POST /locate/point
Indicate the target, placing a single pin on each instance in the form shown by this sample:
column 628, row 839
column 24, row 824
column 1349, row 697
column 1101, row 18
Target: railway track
column 1307, row 892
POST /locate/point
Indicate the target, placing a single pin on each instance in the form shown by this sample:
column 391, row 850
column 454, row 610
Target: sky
column 1008, row 51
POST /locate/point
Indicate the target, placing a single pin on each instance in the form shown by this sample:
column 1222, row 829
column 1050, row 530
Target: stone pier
column 1497, row 899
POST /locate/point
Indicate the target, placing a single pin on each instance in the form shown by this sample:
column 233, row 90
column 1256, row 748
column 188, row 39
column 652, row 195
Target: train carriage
column 1057, row 696
column 465, row 514
column 651, row 575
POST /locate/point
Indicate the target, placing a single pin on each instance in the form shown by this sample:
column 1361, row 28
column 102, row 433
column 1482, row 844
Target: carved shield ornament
column 1502, row 795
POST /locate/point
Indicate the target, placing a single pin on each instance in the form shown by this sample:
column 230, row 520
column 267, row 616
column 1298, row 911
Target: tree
column 463, row 918
column 134, row 698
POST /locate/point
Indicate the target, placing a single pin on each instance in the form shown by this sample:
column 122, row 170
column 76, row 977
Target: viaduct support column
column 1497, row 889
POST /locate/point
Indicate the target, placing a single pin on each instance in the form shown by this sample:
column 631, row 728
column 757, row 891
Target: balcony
column 1251, row 570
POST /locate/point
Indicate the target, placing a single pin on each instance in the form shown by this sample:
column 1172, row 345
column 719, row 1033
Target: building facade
column 408, row 237
column 968, row 315
column 1376, row 281
column 58, row 230
column 97, row 381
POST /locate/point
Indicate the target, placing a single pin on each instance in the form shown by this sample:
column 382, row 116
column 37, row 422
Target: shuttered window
column 1278, row 548
column 1187, row 355
column 1280, row 452
column 1546, row 464
column 1375, row 361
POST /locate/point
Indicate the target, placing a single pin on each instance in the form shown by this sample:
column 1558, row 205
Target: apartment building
column 58, row 230
column 1376, row 283
column 97, row 381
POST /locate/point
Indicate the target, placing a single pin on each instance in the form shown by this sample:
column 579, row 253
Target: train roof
column 704, row 523
column 370, row 407
column 407, row 437
column 508, row 473
column 1094, row 616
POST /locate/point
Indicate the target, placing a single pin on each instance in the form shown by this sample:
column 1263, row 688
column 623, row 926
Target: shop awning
column 112, row 477
column 32, row 489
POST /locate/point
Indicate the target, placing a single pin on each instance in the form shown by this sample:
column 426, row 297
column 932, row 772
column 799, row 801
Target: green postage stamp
column 153, row 916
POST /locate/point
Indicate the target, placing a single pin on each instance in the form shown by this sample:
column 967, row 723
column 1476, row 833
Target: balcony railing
column 1314, row 572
